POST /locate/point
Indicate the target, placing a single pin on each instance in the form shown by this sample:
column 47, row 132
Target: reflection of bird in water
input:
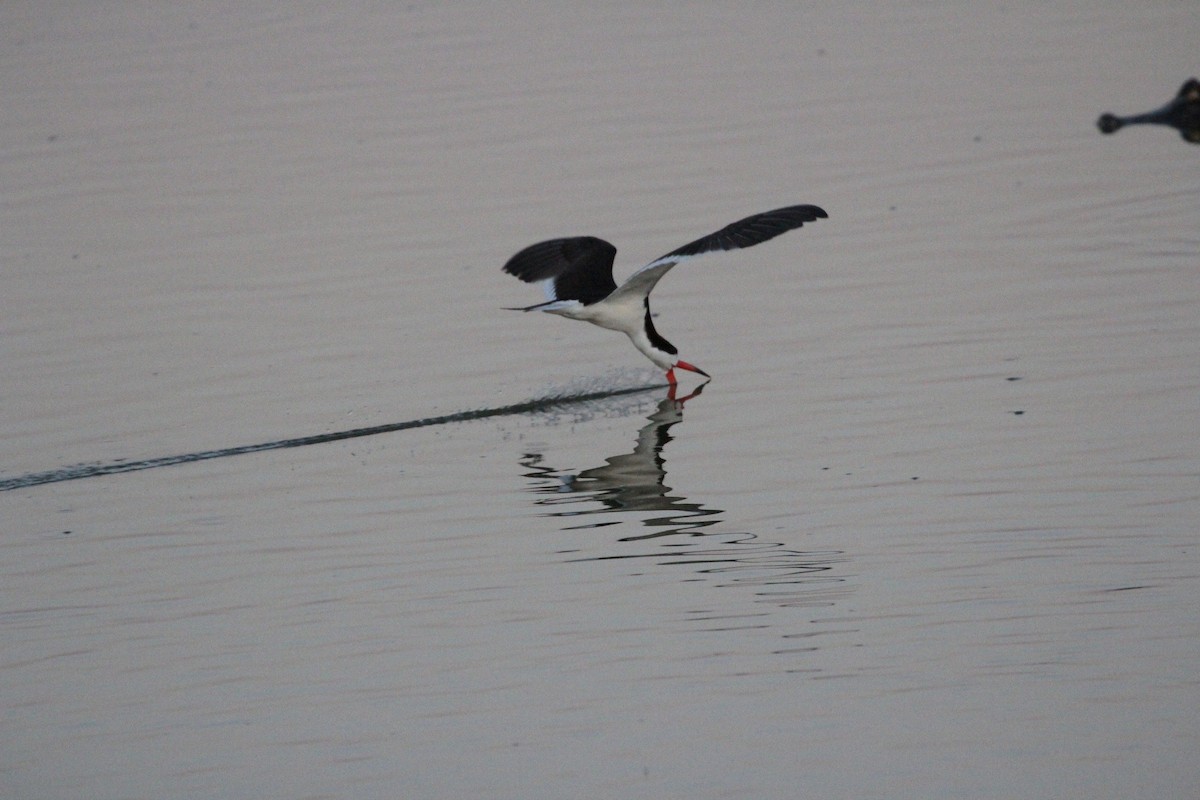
column 576, row 275
column 1182, row 113
column 636, row 482
column 633, row 481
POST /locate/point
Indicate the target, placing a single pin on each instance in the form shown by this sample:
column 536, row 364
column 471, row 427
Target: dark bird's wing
column 746, row 232
column 578, row 268
column 752, row 230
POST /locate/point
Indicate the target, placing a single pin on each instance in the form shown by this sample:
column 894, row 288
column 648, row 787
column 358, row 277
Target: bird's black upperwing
column 747, row 232
column 750, row 231
column 576, row 268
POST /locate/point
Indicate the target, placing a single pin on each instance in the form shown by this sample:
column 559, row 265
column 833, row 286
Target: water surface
column 929, row 533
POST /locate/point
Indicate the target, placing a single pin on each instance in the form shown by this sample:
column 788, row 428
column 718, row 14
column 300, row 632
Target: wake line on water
column 80, row 471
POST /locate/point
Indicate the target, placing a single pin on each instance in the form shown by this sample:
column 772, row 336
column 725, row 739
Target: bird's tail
column 549, row 305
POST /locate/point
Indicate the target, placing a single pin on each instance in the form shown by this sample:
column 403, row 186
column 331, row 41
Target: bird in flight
column 576, row 275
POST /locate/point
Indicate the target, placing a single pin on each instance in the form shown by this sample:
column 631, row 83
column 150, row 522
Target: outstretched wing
column 747, row 232
column 577, row 269
column 752, row 230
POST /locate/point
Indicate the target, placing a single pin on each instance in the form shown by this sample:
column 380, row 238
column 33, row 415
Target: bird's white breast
column 624, row 314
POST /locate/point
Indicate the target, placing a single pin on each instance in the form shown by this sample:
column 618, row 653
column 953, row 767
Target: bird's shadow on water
column 678, row 532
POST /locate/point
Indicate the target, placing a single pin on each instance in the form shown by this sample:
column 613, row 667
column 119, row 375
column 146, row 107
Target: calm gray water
column 929, row 533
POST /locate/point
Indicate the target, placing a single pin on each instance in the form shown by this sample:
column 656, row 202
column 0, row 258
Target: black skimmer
column 576, row 274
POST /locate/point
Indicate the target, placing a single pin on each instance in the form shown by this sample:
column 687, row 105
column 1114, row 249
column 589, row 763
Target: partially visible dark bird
column 1182, row 113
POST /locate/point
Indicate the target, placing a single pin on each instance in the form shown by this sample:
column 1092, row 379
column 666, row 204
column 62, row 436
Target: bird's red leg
column 671, row 376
